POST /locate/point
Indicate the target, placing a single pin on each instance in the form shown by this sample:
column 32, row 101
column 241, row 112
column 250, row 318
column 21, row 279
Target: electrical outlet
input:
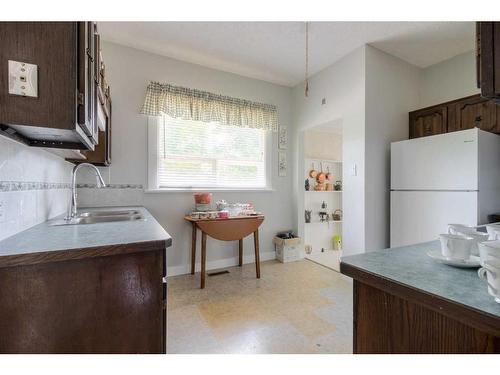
column 23, row 79
column 2, row 211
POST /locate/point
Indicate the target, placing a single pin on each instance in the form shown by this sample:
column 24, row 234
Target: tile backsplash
column 113, row 195
column 34, row 186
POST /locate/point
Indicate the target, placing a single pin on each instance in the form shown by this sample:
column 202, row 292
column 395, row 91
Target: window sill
column 191, row 190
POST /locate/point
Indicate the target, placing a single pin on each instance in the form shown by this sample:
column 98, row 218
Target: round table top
column 246, row 217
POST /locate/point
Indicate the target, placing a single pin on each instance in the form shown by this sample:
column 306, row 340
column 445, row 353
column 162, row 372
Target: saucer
column 472, row 262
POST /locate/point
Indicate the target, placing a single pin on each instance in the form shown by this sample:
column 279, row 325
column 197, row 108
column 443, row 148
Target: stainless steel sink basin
column 108, row 213
column 94, row 219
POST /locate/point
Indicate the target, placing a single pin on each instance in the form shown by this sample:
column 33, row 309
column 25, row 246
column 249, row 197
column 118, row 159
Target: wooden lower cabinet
column 466, row 113
column 385, row 323
column 104, row 304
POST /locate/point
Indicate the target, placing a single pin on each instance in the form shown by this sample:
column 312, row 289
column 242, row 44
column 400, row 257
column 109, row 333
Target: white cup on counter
column 465, row 230
column 490, row 273
column 456, row 246
column 493, row 231
column 489, row 250
column 460, row 229
column 477, row 237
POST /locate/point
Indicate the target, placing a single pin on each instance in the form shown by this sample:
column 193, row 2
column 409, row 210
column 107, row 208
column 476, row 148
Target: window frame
column 152, row 167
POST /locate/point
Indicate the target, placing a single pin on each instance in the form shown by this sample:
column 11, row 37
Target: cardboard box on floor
column 288, row 250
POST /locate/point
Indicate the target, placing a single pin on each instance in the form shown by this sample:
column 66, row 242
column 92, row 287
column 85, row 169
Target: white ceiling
column 274, row 51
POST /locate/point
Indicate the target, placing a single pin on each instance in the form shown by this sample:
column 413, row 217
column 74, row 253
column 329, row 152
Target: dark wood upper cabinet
column 488, row 59
column 466, row 113
column 474, row 112
column 101, row 155
column 63, row 114
column 428, row 121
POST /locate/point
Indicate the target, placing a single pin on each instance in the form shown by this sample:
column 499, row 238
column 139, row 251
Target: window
column 194, row 154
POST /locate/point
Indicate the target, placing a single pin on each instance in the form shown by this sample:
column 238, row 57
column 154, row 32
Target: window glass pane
column 198, row 154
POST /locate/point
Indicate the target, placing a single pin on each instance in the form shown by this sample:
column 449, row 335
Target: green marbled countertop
column 44, row 238
column 411, row 266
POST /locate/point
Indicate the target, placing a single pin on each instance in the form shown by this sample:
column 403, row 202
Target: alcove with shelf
column 323, row 154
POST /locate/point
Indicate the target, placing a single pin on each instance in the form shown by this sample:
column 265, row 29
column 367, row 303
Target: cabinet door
column 84, row 106
column 51, row 46
column 430, row 121
column 108, row 132
column 86, row 83
column 101, row 155
column 488, row 58
column 473, row 112
column 92, row 83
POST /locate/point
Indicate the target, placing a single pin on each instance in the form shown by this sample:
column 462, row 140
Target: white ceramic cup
column 494, row 231
column 456, row 246
column 490, row 272
column 489, row 250
column 477, row 237
column 460, row 229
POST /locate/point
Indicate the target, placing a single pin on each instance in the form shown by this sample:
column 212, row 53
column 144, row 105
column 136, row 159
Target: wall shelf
column 319, row 234
column 325, row 222
column 323, row 161
column 323, row 191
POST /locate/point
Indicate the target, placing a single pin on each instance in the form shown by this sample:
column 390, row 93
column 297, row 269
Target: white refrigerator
column 443, row 179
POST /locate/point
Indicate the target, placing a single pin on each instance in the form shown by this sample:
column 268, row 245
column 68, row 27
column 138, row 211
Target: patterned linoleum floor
column 298, row 307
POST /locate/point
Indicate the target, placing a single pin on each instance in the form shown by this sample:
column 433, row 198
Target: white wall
column 342, row 86
column 33, row 186
column 129, row 71
column 368, row 91
column 372, row 93
column 391, row 91
column 451, row 79
column 323, row 145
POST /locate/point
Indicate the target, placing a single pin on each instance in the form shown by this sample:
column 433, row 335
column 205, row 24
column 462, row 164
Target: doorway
column 323, row 191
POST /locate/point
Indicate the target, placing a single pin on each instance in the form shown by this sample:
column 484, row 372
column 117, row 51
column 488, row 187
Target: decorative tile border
column 6, row 186
column 25, row 186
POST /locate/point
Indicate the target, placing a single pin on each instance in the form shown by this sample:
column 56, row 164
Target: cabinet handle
column 478, row 119
column 81, row 99
column 90, row 55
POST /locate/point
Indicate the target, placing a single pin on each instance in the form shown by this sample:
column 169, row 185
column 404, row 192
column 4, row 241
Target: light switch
column 23, row 79
column 354, row 170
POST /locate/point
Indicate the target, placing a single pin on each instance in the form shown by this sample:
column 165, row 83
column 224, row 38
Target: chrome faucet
column 72, row 203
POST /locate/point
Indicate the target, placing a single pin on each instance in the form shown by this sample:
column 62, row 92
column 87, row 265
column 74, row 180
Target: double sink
column 94, row 217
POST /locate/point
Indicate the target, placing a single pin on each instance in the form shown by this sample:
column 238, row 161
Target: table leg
column 193, row 249
column 203, row 258
column 257, row 255
column 240, row 263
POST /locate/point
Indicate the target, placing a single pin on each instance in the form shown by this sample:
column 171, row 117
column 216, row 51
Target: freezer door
column 420, row 216
column 440, row 162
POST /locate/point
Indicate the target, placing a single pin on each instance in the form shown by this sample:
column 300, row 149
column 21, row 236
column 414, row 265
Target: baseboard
column 220, row 263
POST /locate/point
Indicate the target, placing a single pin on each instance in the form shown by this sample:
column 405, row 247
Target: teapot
column 338, row 185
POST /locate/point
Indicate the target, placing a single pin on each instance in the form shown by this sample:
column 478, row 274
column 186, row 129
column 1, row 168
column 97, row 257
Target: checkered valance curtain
column 190, row 104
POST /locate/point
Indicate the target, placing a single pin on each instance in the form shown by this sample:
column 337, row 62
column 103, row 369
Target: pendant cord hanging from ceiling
column 307, row 61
